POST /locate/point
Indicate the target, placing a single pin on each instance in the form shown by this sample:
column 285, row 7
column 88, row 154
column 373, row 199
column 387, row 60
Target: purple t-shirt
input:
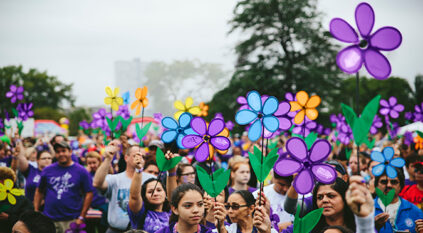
column 98, row 199
column 169, row 229
column 6, row 162
column 250, row 189
column 153, row 220
column 64, row 189
column 33, row 176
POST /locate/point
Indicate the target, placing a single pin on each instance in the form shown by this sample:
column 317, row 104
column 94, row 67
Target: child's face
column 190, row 208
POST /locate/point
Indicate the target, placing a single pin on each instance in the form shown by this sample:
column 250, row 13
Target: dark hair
column 150, row 162
column 279, row 177
column 37, row 222
column 400, row 175
column 338, row 166
column 247, row 196
column 178, row 194
column 340, row 228
column 180, row 168
column 39, row 153
column 53, row 139
column 341, row 187
column 412, row 159
column 147, row 205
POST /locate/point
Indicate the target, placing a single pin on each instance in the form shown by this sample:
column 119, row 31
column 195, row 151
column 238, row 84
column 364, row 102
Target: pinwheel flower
column 99, row 119
column 25, row 111
column 123, row 111
column 408, row 138
column 418, row 142
column 15, row 93
column 307, row 163
column 126, row 98
column 204, row 109
column 208, row 138
column 283, row 115
column 418, row 114
column 390, row 108
column 386, row 162
column 262, row 115
column 306, row 105
column 366, row 50
column 187, row 107
column 76, row 228
column 84, row 124
column 229, row 125
column 177, row 130
column 321, row 130
column 408, row 116
column 243, row 102
column 113, row 99
column 142, row 100
column 345, row 134
column 219, row 115
column 7, row 190
column 305, row 127
column 377, row 124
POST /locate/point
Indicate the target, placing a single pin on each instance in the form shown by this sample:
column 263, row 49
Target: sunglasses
column 385, row 182
column 234, row 206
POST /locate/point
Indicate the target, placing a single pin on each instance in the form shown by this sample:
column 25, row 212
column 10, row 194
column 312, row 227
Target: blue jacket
column 407, row 214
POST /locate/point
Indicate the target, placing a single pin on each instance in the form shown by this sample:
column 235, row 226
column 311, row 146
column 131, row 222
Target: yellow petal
column 211, row 151
column 178, row 114
column 3, row 195
column 311, row 113
column 138, row 93
column 134, row 104
column 295, row 106
column 299, row 117
column 119, row 100
column 188, row 102
column 222, row 152
column 108, row 100
column 16, row 192
column 194, row 110
column 179, row 105
column 11, row 199
column 224, row 133
column 144, row 92
column 302, row 97
column 115, row 106
column 116, row 91
column 145, row 102
column 313, row 102
column 8, row 183
column 109, row 91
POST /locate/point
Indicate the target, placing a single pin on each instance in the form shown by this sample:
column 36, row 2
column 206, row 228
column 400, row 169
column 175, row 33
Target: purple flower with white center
column 99, row 119
column 123, row 111
column 15, row 93
column 84, row 124
column 229, row 125
column 391, row 107
column 25, row 111
column 377, row 124
column 345, row 134
column 307, row 163
column 366, row 50
column 408, row 138
column 305, row 127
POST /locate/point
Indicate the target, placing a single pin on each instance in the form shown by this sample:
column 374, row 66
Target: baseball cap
column 156, row 143
column 62, row 144
column 338, row 166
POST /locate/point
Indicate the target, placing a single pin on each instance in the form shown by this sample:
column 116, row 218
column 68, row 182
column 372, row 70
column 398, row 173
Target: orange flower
column 306, row 105
column 419, row 142
column 142, row 100
column 204, row 109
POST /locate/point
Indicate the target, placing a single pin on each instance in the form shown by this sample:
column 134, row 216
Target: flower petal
column 3, row 195
column 108, row 100
column 303, row 183
column 11, row 199
column 271, row 123
column 115, row 106
column 169, row 136
column 378, row 169
column 134, row 104
column 194, row 110
column 254, row 101
column 397, row 162
column 202, row 152
column 216, row 126
column 179, row 140
column 350, row 59
column 386, row 38
column 399, row 107
column 245, row 116
column 295, row 106
column 138, row 110
column 255, row 130
column 394, row 114
column 384, row 103
column 270, row 105
column 364, row 18
column 377, row 156
column 311, row 113
column 138, row 93
column 343, row 31
column 319, row 151
column 241, row 100
column 324, row 173
column 297, row 148
column 143, row 93
column 8, row 183
column 145, row 102
column 220, row 143
column 299, row 118
column 169, row 123
column 119, row 100
column 302, row 98
column 179, row 105
column 283, row 108
column 392, row 101
column 191, row 141
column 189, row 102
column 287, row 167
column 377, row 64
column 198, row 124
column 313, row 102
column 284, row 123
column 388, row 153
column 116, row 91
column 384, row 111
column 391, row 172
column 109, row 91
column 185, row 120
column 178, row 114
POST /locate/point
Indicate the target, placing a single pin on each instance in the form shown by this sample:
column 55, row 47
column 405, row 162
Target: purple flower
column 366, row 50
column 207, row 139
column 75, row 228
column 25, row 111
column 307, row 163
column 6, row 113
column 409, row 116
column 377, row 124
column 229, row 125
column 219, row 115
column 283, row 115
column 158, row 117
column 15, row 93
column 345, row 134
column 305, row 127
column 391, row 108
column 274, row 219
column 99, row 119
column 408, row 138
column 123, row 111
column 243, row 102
column 291, row 97
column 418, row 115
column 84, row 124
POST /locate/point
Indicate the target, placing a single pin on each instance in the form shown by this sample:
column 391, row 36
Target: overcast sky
column 78, row 41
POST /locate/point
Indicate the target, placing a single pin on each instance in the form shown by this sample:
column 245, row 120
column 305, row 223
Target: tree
column 77, row 115
column 44, row 91
column 418, row 86
column 286, row 50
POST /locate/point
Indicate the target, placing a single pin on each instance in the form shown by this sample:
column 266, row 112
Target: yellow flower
column 204, row 108
column 112, row 99
column 187, row 107
column 307, row 106
column 142, row 100
column 7, row 190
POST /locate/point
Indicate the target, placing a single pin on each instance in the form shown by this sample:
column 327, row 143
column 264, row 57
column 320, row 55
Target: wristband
column 138, row 170
column 171, row 174
column 81, row 218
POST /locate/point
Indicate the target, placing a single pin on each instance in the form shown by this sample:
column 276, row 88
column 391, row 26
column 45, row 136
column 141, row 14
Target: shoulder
column 50, row 168
column 408, row 205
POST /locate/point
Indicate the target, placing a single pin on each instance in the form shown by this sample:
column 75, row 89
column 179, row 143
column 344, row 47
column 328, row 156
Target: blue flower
column 261, row 115
column 126, row 98
column 177, row 130
column 386, row 162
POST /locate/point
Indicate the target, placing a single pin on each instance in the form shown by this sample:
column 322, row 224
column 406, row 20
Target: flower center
column 206, row 138
column 179, row 130
column 386, row 162
column 363, row 44
column 307, row 164
column 260, row 115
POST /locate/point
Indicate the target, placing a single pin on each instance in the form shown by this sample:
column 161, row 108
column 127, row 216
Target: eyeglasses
column 234, row 206
column 385, row 182
column 188, row 174
column 46, row 158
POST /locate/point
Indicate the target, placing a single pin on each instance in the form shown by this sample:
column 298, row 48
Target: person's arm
column 135, row 199
column 99, row 180
column 39, row 196
column 219, row 216
column 261, row 220
column 21, row 159
column 87, row 202
column 290, row 204
column 171, row 178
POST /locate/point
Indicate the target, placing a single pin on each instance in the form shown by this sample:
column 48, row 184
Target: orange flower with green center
column 306, row 106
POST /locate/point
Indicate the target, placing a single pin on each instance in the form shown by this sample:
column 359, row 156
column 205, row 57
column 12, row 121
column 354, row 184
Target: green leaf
column 386, row 199
column 166, row 164
column 369, row 144
column 220, row 180
column 308, row 222
column 348, row 153
column 349, row 114
column 125, row 123
column 262, row 170
column 420, row 133
column 142, row 132
column 20, row 127
column 112, row 124
column 15, row 112
column 273, row 145
column 310, row 139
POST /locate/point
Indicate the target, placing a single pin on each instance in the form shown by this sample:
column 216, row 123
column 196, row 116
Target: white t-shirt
column 277, row 201
column 391, row 209
column 118, row 195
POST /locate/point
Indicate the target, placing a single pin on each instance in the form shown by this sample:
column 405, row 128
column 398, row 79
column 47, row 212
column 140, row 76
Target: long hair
column 341, row 187
column 178, row 194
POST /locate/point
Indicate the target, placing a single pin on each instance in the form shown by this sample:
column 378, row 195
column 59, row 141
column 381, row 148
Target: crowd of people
column 118, row 188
